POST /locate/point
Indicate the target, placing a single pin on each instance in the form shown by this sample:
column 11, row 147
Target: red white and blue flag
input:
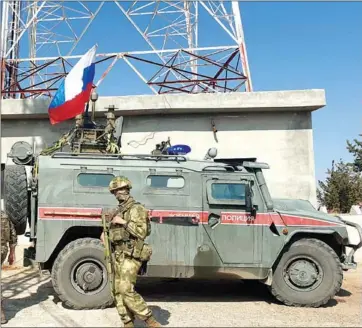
column 74, row 92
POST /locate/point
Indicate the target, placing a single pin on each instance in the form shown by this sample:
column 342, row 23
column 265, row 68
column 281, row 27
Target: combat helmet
column 119, row 182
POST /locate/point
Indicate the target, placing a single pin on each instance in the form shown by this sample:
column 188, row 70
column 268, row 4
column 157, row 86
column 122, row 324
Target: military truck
column 210, row 218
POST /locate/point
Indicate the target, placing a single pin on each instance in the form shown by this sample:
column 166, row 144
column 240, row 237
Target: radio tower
column 42, row 40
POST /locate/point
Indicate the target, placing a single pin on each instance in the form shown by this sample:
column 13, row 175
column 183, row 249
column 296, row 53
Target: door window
column 228, row 191
column 224, row 192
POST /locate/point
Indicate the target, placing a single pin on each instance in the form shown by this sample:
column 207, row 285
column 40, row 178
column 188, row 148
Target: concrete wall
column 282, row 139
column 273, row 126
column 266, row 101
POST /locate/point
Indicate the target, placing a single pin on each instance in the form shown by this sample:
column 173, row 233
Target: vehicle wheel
column 16, row 196
column 309, row 274
column 79, row 275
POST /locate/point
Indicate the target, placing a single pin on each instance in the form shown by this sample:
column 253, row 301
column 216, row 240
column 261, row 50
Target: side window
column 165, row 181
column 228, row 191
column 94, row 179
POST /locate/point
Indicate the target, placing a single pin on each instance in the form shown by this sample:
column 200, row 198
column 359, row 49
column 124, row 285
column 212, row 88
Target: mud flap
column 269, row 279
column 29, row 256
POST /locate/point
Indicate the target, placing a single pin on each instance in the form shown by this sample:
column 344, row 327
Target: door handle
column 213, row 220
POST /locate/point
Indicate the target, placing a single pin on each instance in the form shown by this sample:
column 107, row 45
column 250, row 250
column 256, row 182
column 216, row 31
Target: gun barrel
column 108, row 255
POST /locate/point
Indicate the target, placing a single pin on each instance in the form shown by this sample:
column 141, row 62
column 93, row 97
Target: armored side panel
column 71, row 193
column 200, row 222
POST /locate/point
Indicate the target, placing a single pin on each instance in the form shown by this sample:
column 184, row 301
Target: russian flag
column 74, row 91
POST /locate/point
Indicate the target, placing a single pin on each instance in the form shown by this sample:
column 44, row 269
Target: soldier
column 8, row 236
column 129, row 227
column 111, row 121
column 79, row 121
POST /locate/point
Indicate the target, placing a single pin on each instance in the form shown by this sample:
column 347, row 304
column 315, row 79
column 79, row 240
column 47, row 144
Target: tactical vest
column 124, row 241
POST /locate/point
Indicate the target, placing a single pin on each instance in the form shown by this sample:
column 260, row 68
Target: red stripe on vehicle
column 245, row 218
column 275, row 217
column 199, row 216
column 292, row 220
column 69, row 213
column 238, row 218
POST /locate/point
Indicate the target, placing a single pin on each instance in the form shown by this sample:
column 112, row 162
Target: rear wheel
column 16, row 196
column 309, row 274
column 79, row 275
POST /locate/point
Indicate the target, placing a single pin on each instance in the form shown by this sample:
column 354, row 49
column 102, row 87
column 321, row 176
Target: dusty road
column 30, row 301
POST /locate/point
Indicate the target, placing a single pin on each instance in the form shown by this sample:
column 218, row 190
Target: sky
column 304, row 45
column 290, row 45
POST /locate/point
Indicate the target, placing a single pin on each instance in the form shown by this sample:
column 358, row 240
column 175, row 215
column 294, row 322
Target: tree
column 342, row 188
column 355, row 148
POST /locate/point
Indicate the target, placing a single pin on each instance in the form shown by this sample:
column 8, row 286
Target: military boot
column 129, row 324
column 3, row 319
column 152, row 322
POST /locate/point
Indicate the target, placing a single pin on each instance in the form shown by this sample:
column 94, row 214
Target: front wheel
column 309, row 274
column 79, row 275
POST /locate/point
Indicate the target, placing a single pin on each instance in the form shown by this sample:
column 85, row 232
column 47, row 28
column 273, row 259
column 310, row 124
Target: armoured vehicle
column 211, row 217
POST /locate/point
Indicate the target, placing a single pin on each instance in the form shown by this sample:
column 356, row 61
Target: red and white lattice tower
column 41, row 40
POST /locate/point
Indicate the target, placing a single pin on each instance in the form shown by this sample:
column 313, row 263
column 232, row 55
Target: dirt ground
column 29, row 300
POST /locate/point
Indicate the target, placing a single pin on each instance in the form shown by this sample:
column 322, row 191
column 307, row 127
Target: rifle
column 108, row 254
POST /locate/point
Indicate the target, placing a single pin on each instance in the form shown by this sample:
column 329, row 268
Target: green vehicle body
column 209, row 218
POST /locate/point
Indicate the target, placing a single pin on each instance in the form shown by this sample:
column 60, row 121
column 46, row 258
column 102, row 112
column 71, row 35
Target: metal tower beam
column 170, row 30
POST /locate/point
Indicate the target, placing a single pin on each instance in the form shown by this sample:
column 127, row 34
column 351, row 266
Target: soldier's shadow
column 161, row 315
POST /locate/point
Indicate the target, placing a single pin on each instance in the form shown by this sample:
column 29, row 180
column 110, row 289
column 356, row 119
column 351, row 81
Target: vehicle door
column 175, row 217
column 227, row 217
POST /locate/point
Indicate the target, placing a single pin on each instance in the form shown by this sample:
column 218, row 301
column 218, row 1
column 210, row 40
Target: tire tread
column 334, row 290
column 57, row 267
column 16, row 197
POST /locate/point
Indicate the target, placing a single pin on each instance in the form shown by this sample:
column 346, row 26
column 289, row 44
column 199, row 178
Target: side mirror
column 249, row 201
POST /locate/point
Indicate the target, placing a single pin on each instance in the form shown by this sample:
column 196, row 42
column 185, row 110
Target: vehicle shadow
column 342, row 296
column 152, row 289
column 213, row 290
column 202, row 290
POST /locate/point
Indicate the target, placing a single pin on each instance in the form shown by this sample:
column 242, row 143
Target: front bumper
column 349, row 262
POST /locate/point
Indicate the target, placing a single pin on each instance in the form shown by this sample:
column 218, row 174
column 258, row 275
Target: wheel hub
column 303, row 274
column 88, row 276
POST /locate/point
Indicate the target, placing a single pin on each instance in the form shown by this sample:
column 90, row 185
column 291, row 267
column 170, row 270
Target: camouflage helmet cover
column 119, row 182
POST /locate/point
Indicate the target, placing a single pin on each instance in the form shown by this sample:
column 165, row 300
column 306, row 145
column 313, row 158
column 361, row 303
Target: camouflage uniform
column 130, row 253
column 8, row 237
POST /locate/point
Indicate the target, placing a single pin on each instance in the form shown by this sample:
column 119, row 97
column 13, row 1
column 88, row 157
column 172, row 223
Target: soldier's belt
column 122, row 245
column 136, row 249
